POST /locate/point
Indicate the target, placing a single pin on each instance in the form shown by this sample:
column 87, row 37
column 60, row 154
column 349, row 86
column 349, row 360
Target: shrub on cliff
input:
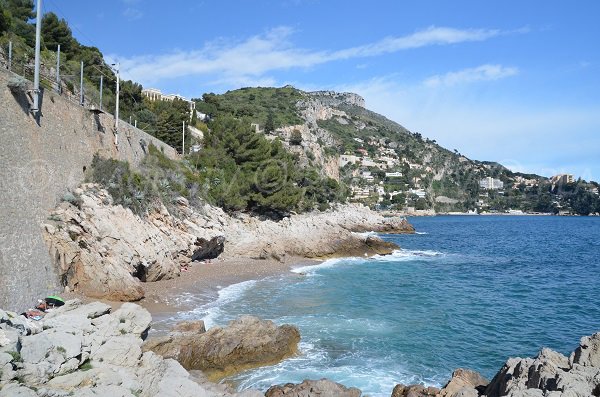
column 127, row 188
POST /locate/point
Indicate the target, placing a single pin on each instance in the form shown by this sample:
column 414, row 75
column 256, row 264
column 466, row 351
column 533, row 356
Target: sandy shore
column 202, row 281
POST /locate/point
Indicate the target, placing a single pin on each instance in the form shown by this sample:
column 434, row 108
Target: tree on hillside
column 582, row 201
column 270, row 123
column 56, row 32
column 4, row 21
column 21, row 10
column 17, row 14
column 296, row 137
column 169, row 121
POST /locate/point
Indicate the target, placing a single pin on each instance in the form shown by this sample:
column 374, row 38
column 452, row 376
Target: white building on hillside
column 562, row 179
column 397, row 174
column 490, row 183
column 418, row 192
column 154, row 94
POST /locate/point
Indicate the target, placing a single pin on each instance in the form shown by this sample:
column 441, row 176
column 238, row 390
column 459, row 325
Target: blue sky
column 511, row 81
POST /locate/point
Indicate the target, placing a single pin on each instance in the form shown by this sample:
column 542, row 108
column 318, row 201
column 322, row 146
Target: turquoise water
column 464, row 292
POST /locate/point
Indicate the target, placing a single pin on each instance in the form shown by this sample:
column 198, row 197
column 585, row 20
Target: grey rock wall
column 39, row 162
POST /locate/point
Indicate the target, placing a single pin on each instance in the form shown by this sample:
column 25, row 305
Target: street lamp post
column 116, row 69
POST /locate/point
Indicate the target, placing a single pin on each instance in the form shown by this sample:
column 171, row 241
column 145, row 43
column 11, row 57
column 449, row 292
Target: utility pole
column 36, row 73
column 101, row 81
column 58, row 69
column 81, row 85
column 183, row 142
column 9, row 55
column 117, row 107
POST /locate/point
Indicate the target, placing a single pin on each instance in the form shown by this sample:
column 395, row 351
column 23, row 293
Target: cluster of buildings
column 562, row 179
column 384, row 159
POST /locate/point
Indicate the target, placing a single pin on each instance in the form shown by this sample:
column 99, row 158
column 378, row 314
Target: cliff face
column 106, row 251
column 39, row 162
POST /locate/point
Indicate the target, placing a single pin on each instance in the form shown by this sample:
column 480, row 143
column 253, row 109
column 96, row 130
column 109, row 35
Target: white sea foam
column 211, row 311
column 407, row 255
column 366, row 234
column 421, row 233
column 310, row 269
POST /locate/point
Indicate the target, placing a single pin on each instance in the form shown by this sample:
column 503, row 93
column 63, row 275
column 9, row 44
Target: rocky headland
column 105, row 251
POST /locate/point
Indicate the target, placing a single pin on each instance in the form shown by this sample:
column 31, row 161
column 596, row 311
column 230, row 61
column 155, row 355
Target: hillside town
column 378, row 176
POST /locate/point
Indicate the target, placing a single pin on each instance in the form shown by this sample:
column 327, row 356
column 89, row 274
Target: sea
column 463, row 292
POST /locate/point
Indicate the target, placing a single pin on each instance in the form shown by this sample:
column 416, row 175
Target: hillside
column 387, row 166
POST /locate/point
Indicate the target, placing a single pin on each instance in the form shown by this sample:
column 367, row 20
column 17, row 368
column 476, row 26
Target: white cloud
column 132, row 13
column 273, row 51
column 481, row 73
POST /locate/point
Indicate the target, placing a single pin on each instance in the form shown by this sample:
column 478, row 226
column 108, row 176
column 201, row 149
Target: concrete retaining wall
column 40, row 160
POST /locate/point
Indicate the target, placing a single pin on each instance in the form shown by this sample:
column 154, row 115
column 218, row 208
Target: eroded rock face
column 84, row 350
column 107, row 251
column 209, row 249
column 245, row 343
column 313, row 388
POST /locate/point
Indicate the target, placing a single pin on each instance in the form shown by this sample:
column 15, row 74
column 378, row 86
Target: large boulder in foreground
column 414, row 391
column 464, row 383
column 313, row 388
column 245, row 343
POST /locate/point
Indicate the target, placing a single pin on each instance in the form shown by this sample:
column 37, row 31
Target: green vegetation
column 86, row 366
column 269, row 107
column 246, row 172
column 238, row 170
column 16, row 356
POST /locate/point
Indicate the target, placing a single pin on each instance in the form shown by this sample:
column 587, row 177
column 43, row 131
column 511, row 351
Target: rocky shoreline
column 105, row 251
column 88, row 350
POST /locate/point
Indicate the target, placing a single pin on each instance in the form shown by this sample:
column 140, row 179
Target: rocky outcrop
column 551, row 374
column 245, row 343
column 171, row 345
column 209, row 249
column 316, row 235
column 464, row 383
column 106, row 251
column 414, row 391
column 84, row 350
column 313, row 388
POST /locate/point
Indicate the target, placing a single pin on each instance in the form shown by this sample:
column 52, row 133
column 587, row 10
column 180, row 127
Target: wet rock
column 313, row 388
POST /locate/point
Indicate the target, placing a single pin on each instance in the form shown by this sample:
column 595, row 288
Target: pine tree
column 270, row 123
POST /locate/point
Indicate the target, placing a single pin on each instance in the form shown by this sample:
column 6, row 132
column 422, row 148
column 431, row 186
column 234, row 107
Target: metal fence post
column 101, row 83
column 58, row 69
column 9, row 56
column 81, row 84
